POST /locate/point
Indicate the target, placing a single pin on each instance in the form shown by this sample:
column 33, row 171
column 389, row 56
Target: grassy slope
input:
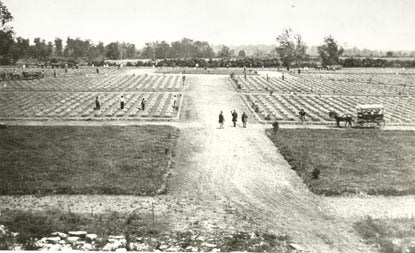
column 390, row 236
column 84, row 160
column 372, row 161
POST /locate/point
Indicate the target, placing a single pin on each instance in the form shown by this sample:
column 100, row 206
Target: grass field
column 350, row 161
column 390, row 236
column 85, row 160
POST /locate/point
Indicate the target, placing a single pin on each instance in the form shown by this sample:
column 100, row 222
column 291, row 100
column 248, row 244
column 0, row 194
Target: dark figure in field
column 234, row 117
column 299, row 71
column 97, row 70
column 345, row 117
column 244, row 118
column 282, row 76
column 302, row 115
column 245, row 76
column 66, row 70
column 221, row 120
column 97, row 104
column 143, row 104
column 122, row 102
column 267, row 78
column 174, row 101
column 54, row 73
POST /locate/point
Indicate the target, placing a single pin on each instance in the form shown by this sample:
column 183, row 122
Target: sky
column 372, row 24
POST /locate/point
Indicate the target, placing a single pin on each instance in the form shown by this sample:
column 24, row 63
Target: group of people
column 234, row 115
column 122, row 103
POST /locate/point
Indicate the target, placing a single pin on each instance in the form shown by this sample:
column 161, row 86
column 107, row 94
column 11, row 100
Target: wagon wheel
column 360, row 123
column 381, row 123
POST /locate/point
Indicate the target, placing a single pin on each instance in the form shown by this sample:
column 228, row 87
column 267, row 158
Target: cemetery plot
column 82, row 104
column 308, row 84
column 393, row 79
column 398, row 110
column 363, row 71
column 132, row 83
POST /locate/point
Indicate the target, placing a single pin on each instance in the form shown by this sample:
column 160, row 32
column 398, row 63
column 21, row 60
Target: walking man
column 221, row 120
column 122, row 102
column 234, row 117
column 97, row 104
column 244, row 118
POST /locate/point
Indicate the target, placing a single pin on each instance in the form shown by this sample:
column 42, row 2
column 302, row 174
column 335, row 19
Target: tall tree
column 225, row 52
column 58, row 47
column 112, row 51
column 6, row 34
column 242, row 53
column 5, row 15
column 161, row 49
column 20, row 49
column 330, row 52
column 148, row 51
column 291, row 48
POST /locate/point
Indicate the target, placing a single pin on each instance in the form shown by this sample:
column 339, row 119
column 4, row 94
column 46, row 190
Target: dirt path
column 241, row 169
column 355, row 208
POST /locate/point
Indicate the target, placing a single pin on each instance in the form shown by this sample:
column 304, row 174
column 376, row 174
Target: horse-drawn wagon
column 370, row 115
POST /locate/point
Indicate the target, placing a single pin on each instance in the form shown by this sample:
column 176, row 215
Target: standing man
column 221, row 120
column 183, row 80
column 174, row 101
column 122, row 102
column 234, row 117
column 302, row 115
column 143, row 104
column 54, row 73
column 97, row 104
column 244, row 118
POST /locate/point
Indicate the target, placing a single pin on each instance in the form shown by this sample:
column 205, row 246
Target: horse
column 345, row 117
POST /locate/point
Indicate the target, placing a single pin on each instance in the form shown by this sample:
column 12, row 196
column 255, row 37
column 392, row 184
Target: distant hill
column 262, row 50
column 250, row 49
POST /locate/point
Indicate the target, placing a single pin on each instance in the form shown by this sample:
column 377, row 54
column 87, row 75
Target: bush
column 315, row 173
column 275, row 126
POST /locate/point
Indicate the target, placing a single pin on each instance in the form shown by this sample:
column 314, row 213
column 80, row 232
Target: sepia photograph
column 207, row 126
